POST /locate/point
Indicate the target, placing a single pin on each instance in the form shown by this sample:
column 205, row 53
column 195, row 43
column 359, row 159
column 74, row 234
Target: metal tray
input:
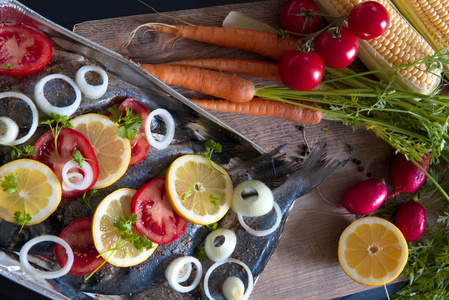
column 241, row 157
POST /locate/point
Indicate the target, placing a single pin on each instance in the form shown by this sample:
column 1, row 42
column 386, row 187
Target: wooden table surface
column 305, row 264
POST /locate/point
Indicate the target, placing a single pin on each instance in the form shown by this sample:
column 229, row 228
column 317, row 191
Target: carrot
column 260, row 42
column 218, row 84
column 255, row 68
column 264, row 107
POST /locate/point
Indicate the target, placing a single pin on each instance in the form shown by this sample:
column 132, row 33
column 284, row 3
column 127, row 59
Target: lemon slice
column 106, row 236
column 372, row 251
column 38, row 191
column 113, row 152
column 192, row 175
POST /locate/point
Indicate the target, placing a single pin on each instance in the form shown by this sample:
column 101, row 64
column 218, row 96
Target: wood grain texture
column 305, row 264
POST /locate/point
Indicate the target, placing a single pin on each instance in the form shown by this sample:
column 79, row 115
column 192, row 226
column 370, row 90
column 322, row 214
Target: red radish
column 406, row 177
column 365, row 197
column 411, row 220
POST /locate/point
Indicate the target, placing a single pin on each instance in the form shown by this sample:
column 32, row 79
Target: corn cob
column 430, row 19
column 399, row 45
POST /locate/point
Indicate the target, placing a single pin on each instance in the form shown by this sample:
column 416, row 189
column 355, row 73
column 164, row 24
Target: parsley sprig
column 22, row 220
column 87, row 196
column 19, row 152
column 56, row 123
column 124, row 225
column 129, row 122
column 9, row 183
column 211, row 147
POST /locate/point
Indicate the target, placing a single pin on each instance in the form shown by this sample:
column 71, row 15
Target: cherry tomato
column 301, row 71
column 68, row 141
column 300, row 24
column 78, row 235
column 156, row 219
column 139, row 145
column 368, row 20
column 23, row 51
column 337, row 52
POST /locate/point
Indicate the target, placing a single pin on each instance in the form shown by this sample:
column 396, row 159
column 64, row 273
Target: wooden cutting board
column 305, row 264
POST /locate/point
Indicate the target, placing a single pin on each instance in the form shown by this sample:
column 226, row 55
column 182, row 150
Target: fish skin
column 239, row 157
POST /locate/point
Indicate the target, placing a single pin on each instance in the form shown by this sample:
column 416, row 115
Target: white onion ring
column 46, row 274
column 254, row 206
column 72, row 175
column 223, row 251
column 9, row 130
column 173, row 270
column 91, row 91
column 79, row 185
column 263, row 232
column 45, row 105
column 229, row 260
column 169, row 125
column 34, row 115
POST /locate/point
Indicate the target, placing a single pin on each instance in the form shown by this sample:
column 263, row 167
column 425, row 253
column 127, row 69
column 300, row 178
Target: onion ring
column 263, row 232
column 173, row 270
column 169, row 125
column 224, row 251
column 254, row 206
column 9, row 130
column 79, row 185
column 229, row 260
column 45, row 105
column 91, row 91
column 34, row 114
column 44, row 274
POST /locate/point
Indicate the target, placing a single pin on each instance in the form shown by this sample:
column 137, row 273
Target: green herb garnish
column 214, row 200
column 211, row 147
column 212, row 226
column 200, row 253
column 22, row 221
column 87, row 196
column 9, row 183
column 188, row 191
column 60, row 122
column 123, row 224
column 20, row 152
column 7, row 66
column 129, row 123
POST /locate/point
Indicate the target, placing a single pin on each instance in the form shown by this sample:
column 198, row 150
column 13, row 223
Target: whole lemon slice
column 372, row 251
column 106, row 236
column 113, row 152
column 38, row 191
column 198, row 192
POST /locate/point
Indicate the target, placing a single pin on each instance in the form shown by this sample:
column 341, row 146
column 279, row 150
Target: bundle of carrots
column 217, row 77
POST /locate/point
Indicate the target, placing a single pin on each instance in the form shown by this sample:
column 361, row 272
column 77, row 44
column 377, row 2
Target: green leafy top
column 56, row 122
column 9, row 183
column 211, row 147
column 129, row 123
column 87, row 196
column 22, row 152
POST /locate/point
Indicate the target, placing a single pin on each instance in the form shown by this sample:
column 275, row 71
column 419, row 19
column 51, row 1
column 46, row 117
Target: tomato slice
column 139, row 145
column 78, row 235
column 23, row 51
column 156, row 219
column 68, row 141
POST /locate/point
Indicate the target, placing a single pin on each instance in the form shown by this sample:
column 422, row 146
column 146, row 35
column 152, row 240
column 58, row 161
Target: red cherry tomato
column 411, row 220
column 139, row 145
column 68, row 141
column 23, row 51
column 156, row 219
column 301, row 71
column 368, row 20
column 78, row 235
column 307, row 23
column 337, row 52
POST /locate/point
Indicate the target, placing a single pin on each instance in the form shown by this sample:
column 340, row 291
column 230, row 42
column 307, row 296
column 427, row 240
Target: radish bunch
column 368, row 195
